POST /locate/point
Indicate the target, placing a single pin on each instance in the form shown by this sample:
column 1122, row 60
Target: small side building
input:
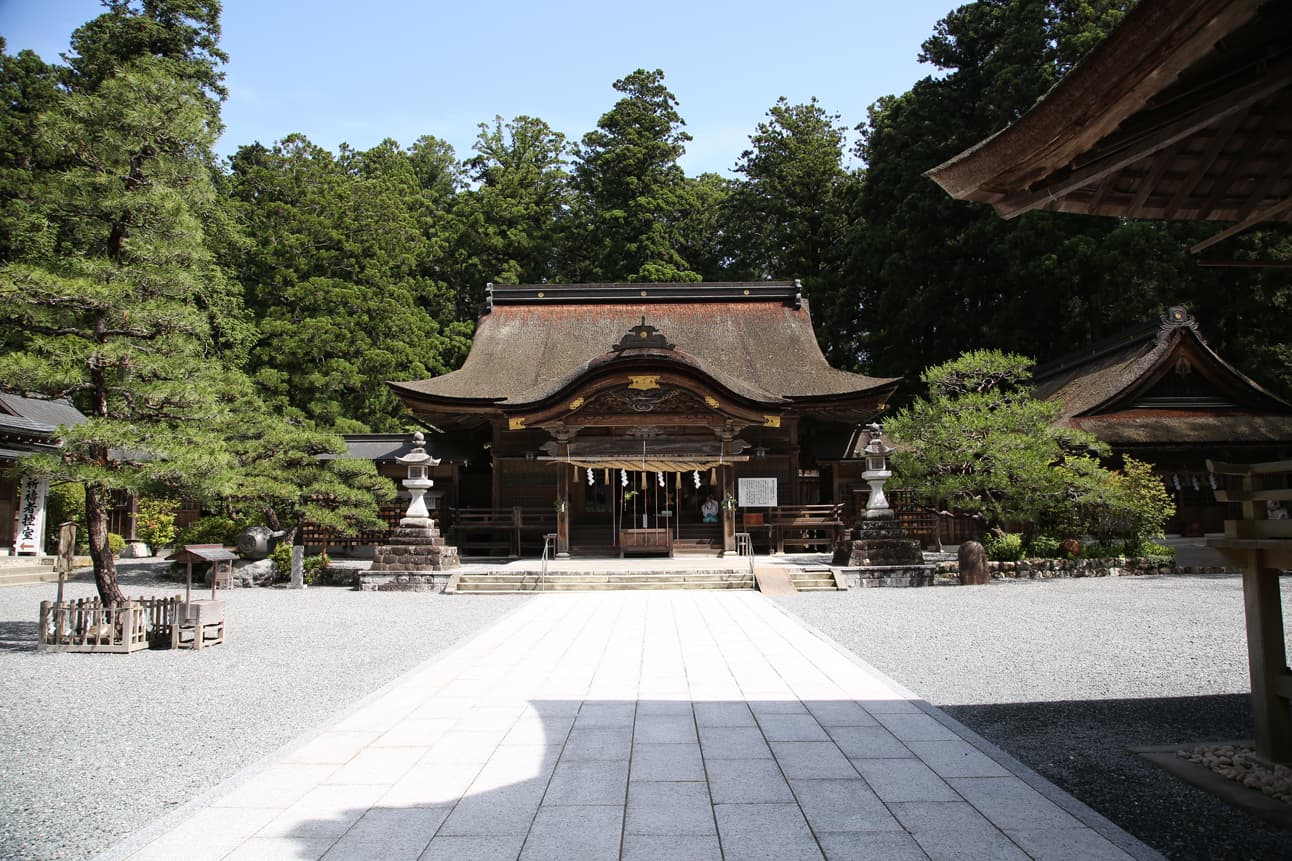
column 1161, row 394
column 27, row 426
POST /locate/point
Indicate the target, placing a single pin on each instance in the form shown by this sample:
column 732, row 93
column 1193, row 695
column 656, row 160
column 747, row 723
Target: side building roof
column 1162, row 384
column 754, row 339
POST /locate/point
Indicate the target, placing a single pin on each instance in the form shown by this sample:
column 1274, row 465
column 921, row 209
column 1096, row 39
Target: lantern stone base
column 411, row 562
column 878, row 541
column 889, row 576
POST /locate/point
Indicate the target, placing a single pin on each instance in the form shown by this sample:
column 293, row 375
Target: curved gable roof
column 755, row 340
column 1112, row 377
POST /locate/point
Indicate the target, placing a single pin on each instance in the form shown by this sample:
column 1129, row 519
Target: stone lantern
column 877, row 472
column 418, row 482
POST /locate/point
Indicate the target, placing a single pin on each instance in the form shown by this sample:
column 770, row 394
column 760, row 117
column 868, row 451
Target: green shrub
column 1045, row 547
column 115, row 543
column 155, row 521
column 1148, row 549
column 211, row 529
column 1004, row 547
column 281, row 556
column 1104, row 549
column 314, row 566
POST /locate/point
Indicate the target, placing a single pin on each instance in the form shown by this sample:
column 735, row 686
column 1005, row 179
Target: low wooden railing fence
column 89, row 625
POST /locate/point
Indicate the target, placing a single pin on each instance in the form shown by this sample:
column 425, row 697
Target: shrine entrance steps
column 23, row 570
column 502, row 582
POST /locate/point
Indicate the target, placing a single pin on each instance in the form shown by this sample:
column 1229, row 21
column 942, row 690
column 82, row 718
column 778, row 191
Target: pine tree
column 113, row 285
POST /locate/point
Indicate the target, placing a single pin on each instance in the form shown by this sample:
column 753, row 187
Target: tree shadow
column 608, row 779
column 18, row 636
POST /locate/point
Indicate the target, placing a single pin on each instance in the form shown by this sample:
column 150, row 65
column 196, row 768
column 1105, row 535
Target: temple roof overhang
column 1183, row 112
column 749, row 347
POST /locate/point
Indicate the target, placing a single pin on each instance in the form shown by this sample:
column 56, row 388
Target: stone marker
column 973, row 564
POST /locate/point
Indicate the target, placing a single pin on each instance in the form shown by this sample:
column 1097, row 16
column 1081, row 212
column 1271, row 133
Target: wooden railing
column 516, row 531
column 89, row 625
column 806, row 526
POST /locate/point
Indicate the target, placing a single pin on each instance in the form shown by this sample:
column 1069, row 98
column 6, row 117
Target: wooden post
column 1267, row 659
column 728, row 513
column 563, row 512
column 516, row 522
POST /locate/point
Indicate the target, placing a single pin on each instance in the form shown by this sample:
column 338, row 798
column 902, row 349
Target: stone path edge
column 1092, row 818
column 137, row 840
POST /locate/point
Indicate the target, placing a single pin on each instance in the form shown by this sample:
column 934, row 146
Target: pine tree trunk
column 105, row 566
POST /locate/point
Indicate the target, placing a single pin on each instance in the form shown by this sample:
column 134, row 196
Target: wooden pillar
column 727, row 474
column 563, row 512
column 1267, row 660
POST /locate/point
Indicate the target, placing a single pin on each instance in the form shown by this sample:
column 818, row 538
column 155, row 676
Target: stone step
column 22, row 575
column 698, row 577
column 534, row 586
column 570, row 582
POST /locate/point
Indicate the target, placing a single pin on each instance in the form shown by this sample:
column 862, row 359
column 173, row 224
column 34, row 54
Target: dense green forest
column 318, row 274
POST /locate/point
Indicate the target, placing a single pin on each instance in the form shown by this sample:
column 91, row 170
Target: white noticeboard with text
column 756, row 492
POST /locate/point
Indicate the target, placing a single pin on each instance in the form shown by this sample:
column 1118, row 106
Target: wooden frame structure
column 1261, row 547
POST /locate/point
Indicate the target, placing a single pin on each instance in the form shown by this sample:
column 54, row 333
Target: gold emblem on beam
column 771, row 421
column 643, row 382
column 515, row 424
column 711, row 401
column 576, row 403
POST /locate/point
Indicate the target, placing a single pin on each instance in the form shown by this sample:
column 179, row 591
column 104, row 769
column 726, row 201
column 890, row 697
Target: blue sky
column 360, row 72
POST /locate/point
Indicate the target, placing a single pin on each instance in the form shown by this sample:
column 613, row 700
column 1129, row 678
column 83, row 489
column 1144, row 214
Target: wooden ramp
column 774, row 580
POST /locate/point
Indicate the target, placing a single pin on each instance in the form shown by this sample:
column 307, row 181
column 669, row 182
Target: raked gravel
column 95, row 747
column 1068, row 675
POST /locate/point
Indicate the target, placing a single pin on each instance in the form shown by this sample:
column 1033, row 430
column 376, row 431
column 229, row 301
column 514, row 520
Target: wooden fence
column 89, row 625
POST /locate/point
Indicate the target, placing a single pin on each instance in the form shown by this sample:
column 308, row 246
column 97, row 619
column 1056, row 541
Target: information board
column 757, row 492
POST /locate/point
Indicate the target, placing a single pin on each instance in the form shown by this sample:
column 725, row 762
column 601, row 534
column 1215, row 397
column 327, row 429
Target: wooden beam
column 1184, row 116
column 1207, row 161
column 1250, row 221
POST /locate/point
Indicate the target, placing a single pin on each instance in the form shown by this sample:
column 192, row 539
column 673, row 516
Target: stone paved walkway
column 634, row 725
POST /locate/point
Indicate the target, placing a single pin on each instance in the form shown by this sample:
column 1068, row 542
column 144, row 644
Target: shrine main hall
column 637, row 413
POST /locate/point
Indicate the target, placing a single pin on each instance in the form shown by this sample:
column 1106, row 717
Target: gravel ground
column 1066, row 675
column 94, row 747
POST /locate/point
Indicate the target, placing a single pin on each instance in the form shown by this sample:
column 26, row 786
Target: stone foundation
column 403, row 581
column 413, row 561
column 889, row 576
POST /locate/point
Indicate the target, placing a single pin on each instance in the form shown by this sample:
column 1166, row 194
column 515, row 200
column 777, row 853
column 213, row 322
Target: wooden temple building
column 620, row 410
column 1184, row 111
column 1160, row 393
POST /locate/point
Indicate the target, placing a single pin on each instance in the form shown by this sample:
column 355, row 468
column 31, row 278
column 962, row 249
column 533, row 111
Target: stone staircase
column 24, row 570
column 509, row 582
column 814, row 579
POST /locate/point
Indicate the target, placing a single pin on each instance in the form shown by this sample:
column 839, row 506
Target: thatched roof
column 1162, row 384
column 1183, row 112
column 752, row 340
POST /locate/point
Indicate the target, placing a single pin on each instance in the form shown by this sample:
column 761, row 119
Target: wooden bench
column 806, row 526
column 500, row 531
